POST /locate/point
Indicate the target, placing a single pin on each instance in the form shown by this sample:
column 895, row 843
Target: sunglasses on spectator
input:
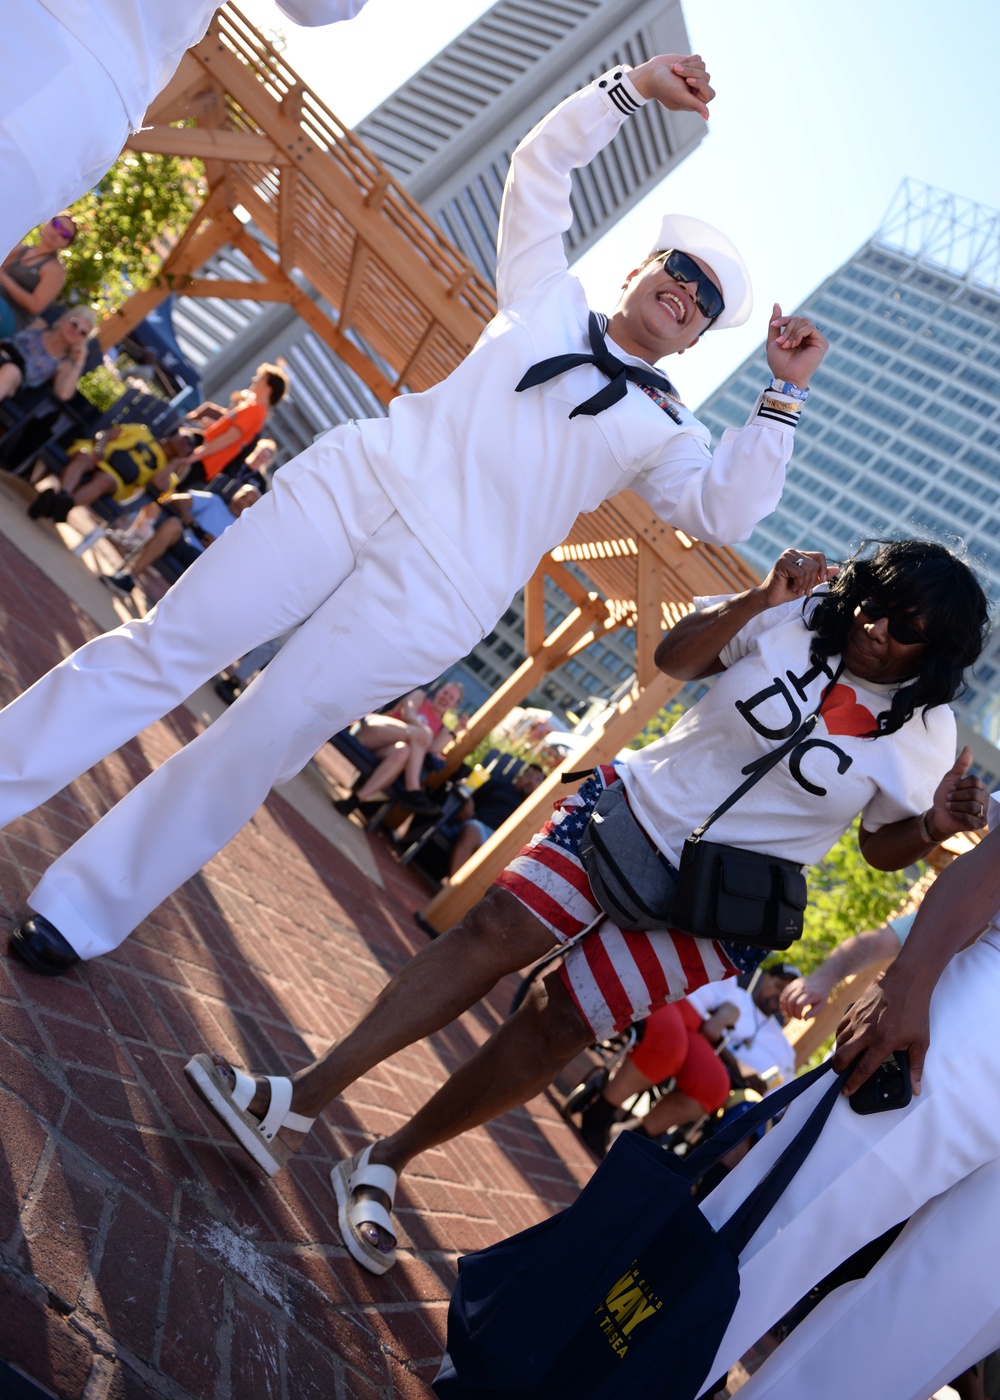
column 63, row 227
column 899, row 630
column 683, row 268
column 83, row 327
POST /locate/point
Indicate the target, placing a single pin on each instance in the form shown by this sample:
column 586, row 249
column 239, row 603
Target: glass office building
column 902, row 429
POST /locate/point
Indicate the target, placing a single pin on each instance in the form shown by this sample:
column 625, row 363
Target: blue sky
column 822, row 109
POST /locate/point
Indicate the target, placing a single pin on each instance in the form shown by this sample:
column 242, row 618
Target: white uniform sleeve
column 719, row 497
column 314, row 12
column 536, row 211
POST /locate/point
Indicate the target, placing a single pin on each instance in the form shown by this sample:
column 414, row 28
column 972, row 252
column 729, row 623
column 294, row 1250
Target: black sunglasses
column 899, row 630
column 683, row 268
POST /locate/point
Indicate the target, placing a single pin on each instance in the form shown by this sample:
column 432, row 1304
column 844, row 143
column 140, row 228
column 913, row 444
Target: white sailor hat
column 703, row 241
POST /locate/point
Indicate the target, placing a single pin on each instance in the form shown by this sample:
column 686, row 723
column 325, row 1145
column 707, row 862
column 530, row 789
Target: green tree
column 128, row 224
column 846, row 896
column 660, row 724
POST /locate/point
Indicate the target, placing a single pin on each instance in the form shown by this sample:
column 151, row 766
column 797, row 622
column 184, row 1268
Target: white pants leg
column 866, row 1173
column 380, row 618
column 62, row 122
column 929, row 1309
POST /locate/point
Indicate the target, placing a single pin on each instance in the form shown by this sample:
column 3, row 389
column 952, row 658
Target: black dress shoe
column 416, row 800
column 40, row 944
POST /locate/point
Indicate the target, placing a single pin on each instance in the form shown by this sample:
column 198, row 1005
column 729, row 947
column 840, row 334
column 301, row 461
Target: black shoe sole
column 30, row 958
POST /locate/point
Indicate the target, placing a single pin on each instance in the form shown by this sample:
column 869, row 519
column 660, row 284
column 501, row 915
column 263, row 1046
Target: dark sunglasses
column 683, row 268
column 899, row 630
column 62, row 227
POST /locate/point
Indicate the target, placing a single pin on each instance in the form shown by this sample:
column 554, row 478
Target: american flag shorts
column 615, row 976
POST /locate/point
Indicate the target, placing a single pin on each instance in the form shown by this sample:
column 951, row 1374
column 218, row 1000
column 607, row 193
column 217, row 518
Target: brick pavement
column 139, row 1254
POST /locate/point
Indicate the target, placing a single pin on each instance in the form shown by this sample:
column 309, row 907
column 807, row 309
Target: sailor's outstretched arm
column 536, row 208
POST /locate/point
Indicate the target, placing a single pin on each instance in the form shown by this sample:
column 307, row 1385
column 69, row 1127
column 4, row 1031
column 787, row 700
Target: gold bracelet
column 925, row 831
column 782, row 405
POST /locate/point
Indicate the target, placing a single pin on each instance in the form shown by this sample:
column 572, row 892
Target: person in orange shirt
column 225, row 433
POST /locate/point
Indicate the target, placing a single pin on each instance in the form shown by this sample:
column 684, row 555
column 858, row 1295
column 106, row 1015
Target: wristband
column 783, row 386
column 925, row 831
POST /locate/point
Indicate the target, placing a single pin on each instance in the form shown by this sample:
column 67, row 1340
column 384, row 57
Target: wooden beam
column 304, row 305
column 288, row 190
column 207, row 233
column 207, row 143
column 230, row 289
column 171, row 104
column 649, row 620
column 534, row 611
column 520, row 682
column 471, row 882
column 329, row 176
column 355, row 281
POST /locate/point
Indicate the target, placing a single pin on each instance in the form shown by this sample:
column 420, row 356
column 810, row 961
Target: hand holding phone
column 889, row 1087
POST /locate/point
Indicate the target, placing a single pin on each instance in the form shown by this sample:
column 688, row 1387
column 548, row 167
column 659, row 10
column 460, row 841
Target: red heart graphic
column 843, row 715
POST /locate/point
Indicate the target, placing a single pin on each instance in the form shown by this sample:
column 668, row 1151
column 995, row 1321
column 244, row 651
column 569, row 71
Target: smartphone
column 889, row 1087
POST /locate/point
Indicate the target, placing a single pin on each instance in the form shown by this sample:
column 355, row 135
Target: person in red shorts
column 226, row 432
column 704, row 1049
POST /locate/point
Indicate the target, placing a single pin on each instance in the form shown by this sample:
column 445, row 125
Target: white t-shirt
column 800, row 808
column 756, row 1040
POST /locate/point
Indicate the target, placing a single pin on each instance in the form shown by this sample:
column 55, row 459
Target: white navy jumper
column 392, row 546
column 76, row 76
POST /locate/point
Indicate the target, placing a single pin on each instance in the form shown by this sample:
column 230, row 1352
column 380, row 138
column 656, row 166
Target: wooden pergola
column 401, row 306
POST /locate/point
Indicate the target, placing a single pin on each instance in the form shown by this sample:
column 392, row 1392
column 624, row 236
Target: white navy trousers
column 928, row 1310
column 867, row 1173
column 323, row 552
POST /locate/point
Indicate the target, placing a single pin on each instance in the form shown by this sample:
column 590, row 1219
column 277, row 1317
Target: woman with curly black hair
column 879, row 652
column 907, row 578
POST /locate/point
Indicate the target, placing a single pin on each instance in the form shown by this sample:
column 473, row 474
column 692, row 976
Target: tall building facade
column 447, row 134
column 902, row 429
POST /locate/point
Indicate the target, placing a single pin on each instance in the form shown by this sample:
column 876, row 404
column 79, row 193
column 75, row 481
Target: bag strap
column 764, row 765
column 710, row 1153
column 747, row 1219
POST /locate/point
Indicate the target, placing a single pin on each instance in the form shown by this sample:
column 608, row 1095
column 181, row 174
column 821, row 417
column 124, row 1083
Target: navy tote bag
column 627, row 1292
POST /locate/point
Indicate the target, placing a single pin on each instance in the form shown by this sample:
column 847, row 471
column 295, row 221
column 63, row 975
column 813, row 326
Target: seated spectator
column 55, row 355
column 119, row 463
column 403, row 739
column 225, row 433
column 31, row 276
column 487, row 810
column 191, row 521
column 718, row 1035
column 804, row 997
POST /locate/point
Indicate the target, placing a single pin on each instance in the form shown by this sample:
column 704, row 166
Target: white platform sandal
column 256, row 1136
column 346, row 1177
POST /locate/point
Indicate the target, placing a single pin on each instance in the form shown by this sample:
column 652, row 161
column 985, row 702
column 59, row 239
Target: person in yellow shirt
column 119, row 463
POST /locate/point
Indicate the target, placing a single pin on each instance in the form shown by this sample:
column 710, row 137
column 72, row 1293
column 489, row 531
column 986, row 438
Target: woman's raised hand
column 795, row 575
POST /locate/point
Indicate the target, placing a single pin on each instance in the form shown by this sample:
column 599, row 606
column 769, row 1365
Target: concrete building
column 902, row 428
column 510, row 67
column 495, row 80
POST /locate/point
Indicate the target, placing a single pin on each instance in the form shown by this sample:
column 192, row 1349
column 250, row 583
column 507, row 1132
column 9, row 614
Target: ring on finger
column 800, row 563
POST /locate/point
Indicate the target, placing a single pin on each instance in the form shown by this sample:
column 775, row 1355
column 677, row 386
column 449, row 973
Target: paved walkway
column 139, row 1254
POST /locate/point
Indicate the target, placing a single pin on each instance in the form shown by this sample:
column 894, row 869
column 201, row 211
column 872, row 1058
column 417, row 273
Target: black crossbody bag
column 719, row 891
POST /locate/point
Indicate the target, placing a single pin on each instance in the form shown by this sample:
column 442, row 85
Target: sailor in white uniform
column 930, row 1307
column 394, row 545
column 76, row 76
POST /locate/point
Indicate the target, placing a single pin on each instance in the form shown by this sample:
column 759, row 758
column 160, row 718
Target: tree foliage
column 660, row 724
column 128, row 223
column 846, row 896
